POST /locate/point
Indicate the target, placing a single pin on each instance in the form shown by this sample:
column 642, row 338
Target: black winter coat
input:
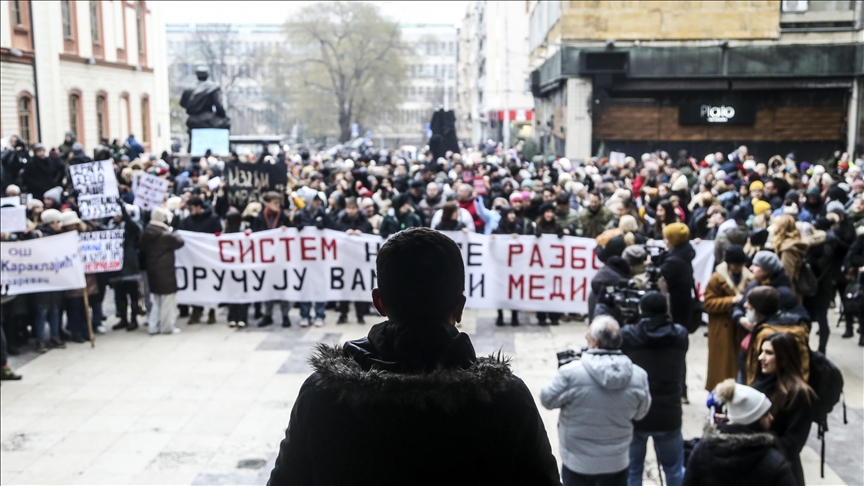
column 660, row 348
column 343, row 223
column 203, row 222
column 788, row 299
column 131, row 235
column 732, row 454
column 507, row 228
column 412, row 404
column 791, row 424
column 262, row 224
column 42, row 174
column 677, row 268
column 309, row 217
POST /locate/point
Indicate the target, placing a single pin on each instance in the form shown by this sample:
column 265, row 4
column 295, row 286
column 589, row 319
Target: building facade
column 777, row 76
column 95, row 68
column 431, row 84
column 493, row 67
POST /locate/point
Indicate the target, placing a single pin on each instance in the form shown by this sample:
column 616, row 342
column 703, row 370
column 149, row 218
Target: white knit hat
column 744, row 404
column 161, row 215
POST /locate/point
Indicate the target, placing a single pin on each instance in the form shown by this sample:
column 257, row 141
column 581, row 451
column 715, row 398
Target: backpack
column 827, row 381
column 806, row 283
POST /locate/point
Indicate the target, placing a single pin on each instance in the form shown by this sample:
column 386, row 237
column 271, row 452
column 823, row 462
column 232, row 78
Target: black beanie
column 735, row 254
column 619, row 264
column 653, row 304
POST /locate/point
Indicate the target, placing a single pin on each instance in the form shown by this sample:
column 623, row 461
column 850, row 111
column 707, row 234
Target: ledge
column 103, row 63
column 25, row 58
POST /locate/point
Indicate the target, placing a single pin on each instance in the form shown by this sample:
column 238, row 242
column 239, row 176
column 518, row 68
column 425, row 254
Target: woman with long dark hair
column 665, row 215
column 781, row 378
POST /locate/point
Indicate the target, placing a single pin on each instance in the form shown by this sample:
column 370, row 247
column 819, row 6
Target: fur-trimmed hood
column 736, row 437
column 741, row 286
column 448, row 388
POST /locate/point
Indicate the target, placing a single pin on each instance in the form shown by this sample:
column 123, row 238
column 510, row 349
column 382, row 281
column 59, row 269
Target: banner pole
column 89, row 319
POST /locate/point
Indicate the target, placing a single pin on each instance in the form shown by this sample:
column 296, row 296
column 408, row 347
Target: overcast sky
column 252, row 12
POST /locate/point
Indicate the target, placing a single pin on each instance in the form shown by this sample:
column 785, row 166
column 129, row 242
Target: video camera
column 622, row 299
column 568, row 355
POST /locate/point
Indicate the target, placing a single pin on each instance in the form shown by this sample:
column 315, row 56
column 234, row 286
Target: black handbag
column 696, row 310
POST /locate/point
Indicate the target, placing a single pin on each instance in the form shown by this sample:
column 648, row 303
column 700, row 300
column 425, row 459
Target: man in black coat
column 658, row 346
column 42, row 173
column 411, row 403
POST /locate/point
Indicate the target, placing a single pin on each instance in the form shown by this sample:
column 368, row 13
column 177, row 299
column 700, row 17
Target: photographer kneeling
column 599, row 396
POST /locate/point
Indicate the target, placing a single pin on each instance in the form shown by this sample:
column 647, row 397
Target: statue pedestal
column 213, row 139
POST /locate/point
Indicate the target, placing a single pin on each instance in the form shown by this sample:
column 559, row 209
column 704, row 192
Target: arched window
column 145, row 119
column 25, row 118
column 102, row 116
column 76, row 123
column 96, row 28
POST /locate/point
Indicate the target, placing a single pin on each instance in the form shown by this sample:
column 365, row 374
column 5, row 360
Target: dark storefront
column 774, row 98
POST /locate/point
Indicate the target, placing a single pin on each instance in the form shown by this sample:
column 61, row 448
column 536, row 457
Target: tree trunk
column 344, row 125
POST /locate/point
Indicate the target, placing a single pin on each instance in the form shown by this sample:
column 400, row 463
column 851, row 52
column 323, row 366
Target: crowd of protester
column 788, row 241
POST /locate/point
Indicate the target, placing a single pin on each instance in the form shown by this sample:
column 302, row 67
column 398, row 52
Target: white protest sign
column 42, row 264
column 617, row 157
column 150, row 191
column 94, row 178
column 548, row 274
column 213, row 183
column 11, row 200
column 13, row 220
column 101, row 251
column 97, row 206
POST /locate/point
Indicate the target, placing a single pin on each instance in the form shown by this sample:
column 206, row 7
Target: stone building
column 777, row 76
column 96, row 68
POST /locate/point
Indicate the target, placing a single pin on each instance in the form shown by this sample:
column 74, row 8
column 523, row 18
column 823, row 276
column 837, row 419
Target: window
column 101, row 117
column 66, row 12
column 25, row 117
column 75, row 121
column 17, row 15
column 125, row 115
column 139, row 26
column 145, row 120
column 70, row 34
column 95, row 35
column 794, row 5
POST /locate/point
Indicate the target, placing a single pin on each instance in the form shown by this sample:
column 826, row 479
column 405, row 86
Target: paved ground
column 209, row 406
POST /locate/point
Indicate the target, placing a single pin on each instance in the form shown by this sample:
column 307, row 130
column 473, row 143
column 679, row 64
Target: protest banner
column 97, row 206
column 42, row 264
column 10, row 201
column 101, row 251
column 150, row 191
column 245, row 183
column 13, row 219
column 523, row 273
column 93, row 178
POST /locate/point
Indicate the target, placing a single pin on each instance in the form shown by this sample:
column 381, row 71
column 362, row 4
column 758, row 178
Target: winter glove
column 319, row 222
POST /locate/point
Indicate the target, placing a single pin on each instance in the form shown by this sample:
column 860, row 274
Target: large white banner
column 42, row 264
column 524, row 273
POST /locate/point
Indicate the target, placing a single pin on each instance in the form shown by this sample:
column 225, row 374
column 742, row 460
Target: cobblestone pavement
column 210, row 405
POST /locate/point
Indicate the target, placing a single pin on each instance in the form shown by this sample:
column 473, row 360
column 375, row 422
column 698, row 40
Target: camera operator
column 599, row 397
column 659, row 346
column 616, row 272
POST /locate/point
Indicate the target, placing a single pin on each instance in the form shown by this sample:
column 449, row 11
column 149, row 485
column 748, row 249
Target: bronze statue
column 204, row 103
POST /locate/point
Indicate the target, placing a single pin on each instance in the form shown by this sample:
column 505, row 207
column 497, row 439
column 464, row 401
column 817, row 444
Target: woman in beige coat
column 724, row 290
